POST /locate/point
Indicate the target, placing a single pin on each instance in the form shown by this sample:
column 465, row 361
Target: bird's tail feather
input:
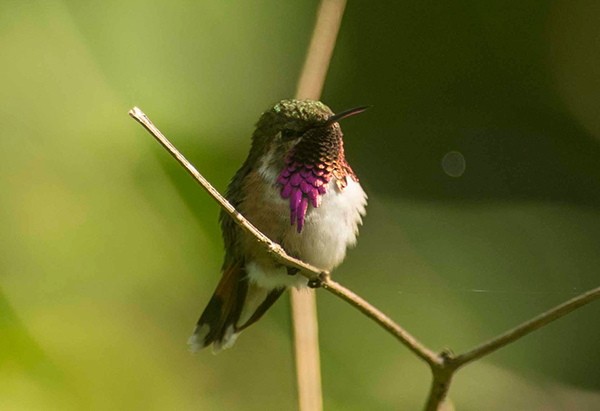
column 235, row 305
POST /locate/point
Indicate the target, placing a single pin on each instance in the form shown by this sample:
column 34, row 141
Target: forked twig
column 443, row 373
column 443, row 365
column 526, row 328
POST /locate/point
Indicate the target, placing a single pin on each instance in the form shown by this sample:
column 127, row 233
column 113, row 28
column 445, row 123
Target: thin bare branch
column 273, row 248
column 383, row 320
column 525, row 328
column 319, row 276
column 306, row 345
column 440, row 383
column 329, row 19
column 438, row 394
column 450, row 364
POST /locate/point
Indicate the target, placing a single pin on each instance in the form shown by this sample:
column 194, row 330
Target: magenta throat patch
column 303, row 183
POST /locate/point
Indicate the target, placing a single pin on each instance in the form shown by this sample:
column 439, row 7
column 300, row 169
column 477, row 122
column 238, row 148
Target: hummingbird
column 297, row 188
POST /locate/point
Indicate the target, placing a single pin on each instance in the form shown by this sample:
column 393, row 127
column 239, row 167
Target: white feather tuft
column 227, row 341
column 196, row 341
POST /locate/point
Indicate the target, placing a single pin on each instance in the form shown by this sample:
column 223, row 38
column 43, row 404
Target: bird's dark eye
column 288, row 134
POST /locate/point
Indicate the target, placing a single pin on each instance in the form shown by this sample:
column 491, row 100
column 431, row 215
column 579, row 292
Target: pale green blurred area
column 109, row 251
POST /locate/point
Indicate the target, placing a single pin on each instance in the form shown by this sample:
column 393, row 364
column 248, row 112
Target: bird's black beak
column 337, row 117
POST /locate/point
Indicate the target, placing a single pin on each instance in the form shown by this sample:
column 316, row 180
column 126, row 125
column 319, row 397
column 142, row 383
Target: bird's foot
column 315, row 283
column 319, row 281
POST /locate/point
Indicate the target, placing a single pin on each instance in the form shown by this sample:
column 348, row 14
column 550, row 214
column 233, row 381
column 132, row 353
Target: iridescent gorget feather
column 309, row 169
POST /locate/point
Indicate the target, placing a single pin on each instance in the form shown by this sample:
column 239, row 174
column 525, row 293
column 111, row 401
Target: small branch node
column 274, row 248
column 324, row 277
column 447, row 355
column 321, row 280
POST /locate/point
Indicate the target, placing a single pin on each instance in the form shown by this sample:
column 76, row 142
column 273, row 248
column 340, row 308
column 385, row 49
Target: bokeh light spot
column 454, row 164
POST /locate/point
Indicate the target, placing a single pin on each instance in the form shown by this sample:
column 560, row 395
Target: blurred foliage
column 109, row 250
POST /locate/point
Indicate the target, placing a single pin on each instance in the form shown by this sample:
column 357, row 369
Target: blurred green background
column 109, row 250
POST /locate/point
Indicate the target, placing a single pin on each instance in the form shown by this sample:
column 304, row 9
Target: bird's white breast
column 328, row 230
